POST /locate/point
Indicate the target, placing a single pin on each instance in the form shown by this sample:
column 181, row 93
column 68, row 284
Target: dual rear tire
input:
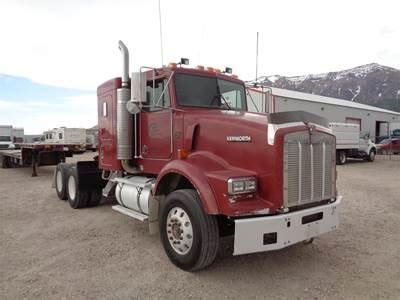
column 67, row 188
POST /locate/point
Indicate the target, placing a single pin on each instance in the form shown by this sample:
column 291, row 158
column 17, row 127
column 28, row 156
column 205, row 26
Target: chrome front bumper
column 280, row 231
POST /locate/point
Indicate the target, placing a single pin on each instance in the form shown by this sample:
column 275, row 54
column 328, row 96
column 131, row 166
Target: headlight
column 242, row 185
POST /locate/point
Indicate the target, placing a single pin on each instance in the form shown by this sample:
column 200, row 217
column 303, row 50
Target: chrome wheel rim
column 71, row 187
column 179, row 230
column 59, row 183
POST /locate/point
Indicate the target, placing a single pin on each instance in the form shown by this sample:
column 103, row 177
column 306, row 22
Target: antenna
column 161, row 38
column 257, row 58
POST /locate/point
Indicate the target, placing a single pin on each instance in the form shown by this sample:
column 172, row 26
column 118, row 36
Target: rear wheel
column 77, row 198
column 189, row 236
column 61, row 180
column 341, row 158
column 95, row 197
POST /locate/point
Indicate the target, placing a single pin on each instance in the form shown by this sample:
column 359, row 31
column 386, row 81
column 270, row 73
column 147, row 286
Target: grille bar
column 308, row 167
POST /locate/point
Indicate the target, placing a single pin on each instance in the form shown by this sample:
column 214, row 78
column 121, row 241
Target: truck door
column 107, row 116
column 156, row 122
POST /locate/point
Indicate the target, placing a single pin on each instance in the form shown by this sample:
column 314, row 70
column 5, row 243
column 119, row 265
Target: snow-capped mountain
column 371, row 84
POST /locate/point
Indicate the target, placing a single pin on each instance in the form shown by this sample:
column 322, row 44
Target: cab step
column 130, row 213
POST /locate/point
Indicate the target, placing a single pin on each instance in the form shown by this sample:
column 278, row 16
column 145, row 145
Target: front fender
column 197, row 178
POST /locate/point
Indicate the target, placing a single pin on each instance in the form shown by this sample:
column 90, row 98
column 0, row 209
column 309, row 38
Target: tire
column 77, row 198
column 341, row 158
column 200, row 238
column 371, row 155
column 60, row 180
column 95, row 197
column 5, row 162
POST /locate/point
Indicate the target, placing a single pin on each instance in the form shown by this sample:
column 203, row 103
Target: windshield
column 5, row 139
column 210, row 92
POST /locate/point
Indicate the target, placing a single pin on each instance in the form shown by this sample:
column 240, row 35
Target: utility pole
column 257, row 59
column 161, row 37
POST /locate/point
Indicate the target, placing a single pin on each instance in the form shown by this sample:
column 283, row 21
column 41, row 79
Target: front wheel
column 371, row 156
column 189, row 236
column 341, row 158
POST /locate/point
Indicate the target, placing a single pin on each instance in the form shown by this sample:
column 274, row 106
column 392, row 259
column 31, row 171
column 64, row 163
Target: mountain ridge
column 371, row 84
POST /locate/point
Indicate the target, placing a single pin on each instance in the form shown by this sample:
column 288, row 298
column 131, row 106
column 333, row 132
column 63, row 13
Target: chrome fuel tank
column 134, row 192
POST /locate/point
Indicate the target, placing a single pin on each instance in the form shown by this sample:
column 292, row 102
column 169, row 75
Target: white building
column 372, row 120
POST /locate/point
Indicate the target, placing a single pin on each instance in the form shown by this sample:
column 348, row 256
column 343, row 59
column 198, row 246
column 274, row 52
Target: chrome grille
column 309, row 166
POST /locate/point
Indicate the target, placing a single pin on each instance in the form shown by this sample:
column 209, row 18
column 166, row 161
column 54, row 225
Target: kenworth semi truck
column 179, row 150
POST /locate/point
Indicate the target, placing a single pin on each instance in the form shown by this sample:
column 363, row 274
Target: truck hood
column 239, row 142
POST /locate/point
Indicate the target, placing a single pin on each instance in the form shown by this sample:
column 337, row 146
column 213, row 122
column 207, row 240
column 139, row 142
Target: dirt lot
column 50, row 250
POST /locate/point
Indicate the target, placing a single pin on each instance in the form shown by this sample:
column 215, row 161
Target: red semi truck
column 178, row 149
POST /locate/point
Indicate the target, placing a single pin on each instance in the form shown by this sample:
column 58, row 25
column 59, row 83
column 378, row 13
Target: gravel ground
column 49, row 250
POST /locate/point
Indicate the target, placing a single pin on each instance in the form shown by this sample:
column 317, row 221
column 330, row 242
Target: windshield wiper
column 220, row 96
column 226, row 102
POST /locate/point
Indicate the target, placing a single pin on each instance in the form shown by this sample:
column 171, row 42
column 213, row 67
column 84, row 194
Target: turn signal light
column 172, row 66
column 183, row 153
column 210, row 69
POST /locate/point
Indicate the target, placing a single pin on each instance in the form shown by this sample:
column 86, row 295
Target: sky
column 56, row 53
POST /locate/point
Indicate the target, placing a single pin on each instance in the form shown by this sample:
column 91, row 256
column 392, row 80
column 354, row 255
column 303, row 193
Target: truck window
column 155, row 92
column 209, row 92
column 232, row 94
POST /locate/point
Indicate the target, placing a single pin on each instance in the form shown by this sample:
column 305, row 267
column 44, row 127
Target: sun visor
column 297, row 116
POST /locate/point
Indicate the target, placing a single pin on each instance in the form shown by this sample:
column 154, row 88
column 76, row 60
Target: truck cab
column 178, row 149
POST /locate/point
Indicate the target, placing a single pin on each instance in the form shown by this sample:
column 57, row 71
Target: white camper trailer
column 67, row 136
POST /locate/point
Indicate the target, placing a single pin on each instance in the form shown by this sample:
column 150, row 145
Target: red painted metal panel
column 107, row 118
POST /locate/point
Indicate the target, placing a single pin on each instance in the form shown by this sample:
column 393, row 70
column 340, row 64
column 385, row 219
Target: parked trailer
column 92, row 141
column 36, row 154
column 350, row 144
column 65, row 135
column 179, row 149
column 6, row 137
column 18, row 135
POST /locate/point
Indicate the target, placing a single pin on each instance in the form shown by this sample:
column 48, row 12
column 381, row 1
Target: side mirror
column 132, row 107
column 138, row 87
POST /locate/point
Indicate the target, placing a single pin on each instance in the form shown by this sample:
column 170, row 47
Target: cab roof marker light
column 228, row 70
column 172, row 65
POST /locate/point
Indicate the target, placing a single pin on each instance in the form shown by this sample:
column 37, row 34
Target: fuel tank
column 134, row 192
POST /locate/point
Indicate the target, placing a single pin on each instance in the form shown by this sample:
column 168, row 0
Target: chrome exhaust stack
column 124, row 118
column 125, row 63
